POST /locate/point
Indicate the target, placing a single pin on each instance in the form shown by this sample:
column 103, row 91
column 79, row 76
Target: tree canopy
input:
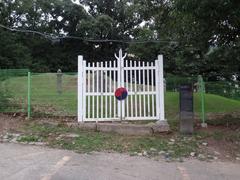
column 195, row 37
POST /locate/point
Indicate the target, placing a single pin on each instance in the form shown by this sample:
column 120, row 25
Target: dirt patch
column 222, row 141
column 11, row 122
column 221, row 149
column 221, row 116
column 56, row 119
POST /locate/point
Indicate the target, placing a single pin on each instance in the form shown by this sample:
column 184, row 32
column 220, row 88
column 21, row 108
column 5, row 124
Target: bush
column 4, row 100
column 173, row 82
column 223, row 88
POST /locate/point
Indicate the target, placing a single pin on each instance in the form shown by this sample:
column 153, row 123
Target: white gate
column 98, row 81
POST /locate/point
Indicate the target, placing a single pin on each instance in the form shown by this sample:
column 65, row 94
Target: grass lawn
column 46, row 100
column 59, row 136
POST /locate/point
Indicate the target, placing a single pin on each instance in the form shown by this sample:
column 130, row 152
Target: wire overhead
column 54, row 37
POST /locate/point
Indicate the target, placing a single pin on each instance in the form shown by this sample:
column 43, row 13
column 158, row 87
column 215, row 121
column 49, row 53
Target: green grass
column 44, row 96
column 214, row 103
column 46, row 100
column 87, row 141
column 28, row 138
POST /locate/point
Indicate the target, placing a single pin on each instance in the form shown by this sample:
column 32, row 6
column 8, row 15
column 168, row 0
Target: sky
column 77, row 2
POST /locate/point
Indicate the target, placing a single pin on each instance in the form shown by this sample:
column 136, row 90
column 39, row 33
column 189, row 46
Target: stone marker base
column 204, row 125
column 124, row 129
column 160, row 126
column 186, row 126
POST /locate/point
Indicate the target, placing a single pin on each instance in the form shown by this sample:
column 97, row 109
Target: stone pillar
column 186, row 109
column 59, row 81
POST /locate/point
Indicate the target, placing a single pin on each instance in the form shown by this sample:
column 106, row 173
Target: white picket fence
column 98, row 81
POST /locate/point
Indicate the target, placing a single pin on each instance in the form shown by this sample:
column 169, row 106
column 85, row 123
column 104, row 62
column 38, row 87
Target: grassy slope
column 44, row 95
column 213, row 104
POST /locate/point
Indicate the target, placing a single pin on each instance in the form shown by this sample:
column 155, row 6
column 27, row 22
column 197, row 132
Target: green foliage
column 224, row 88
column 174, row 82
column 29, row 138
column 13, row 53
column 204, row 26
column 9, row 102
column 4, row 100
column 195, row 37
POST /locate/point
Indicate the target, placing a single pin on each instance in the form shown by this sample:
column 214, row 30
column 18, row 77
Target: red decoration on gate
column 121, row 93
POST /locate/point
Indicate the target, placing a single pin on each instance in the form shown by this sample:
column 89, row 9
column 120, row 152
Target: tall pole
column 29, row 95
column 202, row 94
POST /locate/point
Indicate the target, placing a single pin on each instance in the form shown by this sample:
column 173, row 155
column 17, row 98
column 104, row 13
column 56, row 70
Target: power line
column 23, row 31
column 54, row 37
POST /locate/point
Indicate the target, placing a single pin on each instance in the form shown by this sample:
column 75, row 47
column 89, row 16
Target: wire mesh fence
column 221, row 88
column 55, row 94
column 13, row 90
column 224, row 88
column 221, row 98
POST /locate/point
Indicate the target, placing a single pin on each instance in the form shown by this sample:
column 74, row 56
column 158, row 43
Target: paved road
column 22, row 162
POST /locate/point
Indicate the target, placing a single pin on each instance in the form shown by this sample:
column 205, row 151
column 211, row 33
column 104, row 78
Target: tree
column 190, row 30
column 111, row 20
column 206, row 25
column 13, row 53
column 194, row 37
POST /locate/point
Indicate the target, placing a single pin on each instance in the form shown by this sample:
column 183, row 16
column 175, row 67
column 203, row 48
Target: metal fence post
column 202, row 93
column 29, row 96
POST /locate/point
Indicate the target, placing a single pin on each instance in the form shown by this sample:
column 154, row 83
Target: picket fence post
column 161, row 89
column 80, row 88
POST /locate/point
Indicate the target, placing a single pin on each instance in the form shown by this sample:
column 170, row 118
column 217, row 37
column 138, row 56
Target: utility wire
column 53, row 37
column 23, row 31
